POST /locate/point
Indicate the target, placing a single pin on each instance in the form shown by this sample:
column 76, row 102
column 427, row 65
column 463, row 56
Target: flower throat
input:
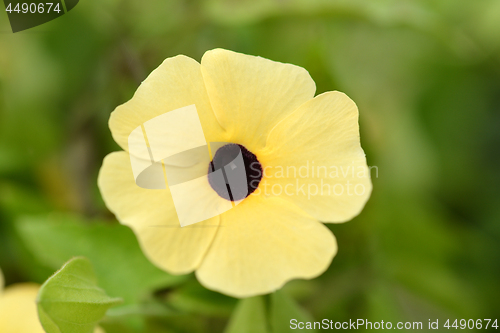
column 224, row 159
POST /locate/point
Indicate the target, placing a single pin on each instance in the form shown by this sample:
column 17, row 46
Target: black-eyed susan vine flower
column 18, row 308
column 303, row 160
column 18, row 311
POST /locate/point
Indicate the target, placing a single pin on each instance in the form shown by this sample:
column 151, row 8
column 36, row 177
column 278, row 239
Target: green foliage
column 283, row 309
column 71, row 302
column 194, row 298
column 271, row 315
column 249, row 317
column 120, row 266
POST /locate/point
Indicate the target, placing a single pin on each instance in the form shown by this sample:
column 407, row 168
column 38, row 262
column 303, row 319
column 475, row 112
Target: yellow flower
column 18, row 312
column 306, row 149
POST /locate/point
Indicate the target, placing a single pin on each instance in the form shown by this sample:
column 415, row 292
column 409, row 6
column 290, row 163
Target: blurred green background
column 426, row 78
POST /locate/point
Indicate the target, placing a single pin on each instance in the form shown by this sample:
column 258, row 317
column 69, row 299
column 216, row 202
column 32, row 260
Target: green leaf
column 70, row 301
column 192, row 297
column 283, row 310
column 119, row 263
column 248, row 317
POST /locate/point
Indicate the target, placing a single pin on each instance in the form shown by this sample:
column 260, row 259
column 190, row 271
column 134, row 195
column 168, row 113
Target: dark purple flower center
column 227, row 159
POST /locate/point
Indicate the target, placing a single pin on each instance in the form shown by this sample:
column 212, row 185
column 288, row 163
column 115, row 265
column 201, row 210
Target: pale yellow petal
column 314, row 159
column 263, row 243
column 250, row 95
column 152, row 216
column 18, row 312
column 176, row 83
column 99, row 329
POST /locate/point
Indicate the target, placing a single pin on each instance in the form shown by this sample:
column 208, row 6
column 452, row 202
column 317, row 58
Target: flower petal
column 18, row 311
column 250, row 95
column 152, row 216
column 262, row 244
column 176, row 83
column 314, row 159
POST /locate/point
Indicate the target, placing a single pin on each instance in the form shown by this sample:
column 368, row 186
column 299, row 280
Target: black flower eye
column 236, row 185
